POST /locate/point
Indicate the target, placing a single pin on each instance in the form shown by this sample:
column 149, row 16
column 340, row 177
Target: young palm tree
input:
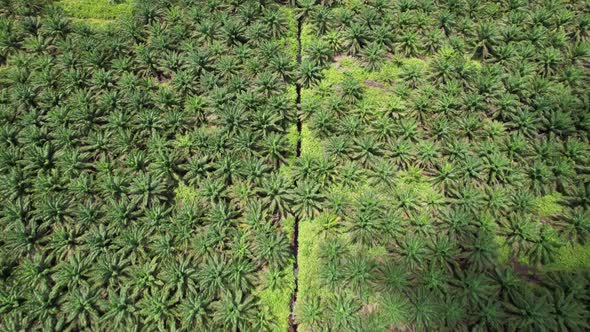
column 423, row 310
column 275, row 194
column 306, row 198
column 309, row 74
column 342, row 311
column 365, row 228
column 360, row 273
column 310, row 313
column 544, row 247
column 234, row 312
column 82, row 309
column 373, row 55
column 570, row 314
column 119, row 309
column 157, row 309
column 272, row 248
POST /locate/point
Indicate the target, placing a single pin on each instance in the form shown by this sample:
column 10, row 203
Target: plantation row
column 422, row 166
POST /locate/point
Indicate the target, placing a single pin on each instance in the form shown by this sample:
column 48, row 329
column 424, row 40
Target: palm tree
column 423, row 310
column 212, row 276
column 309, row 74
column 157, row 309
column 356, row 37
column 321, row 20
column 409, row 43
column 373, row 55
column 570, row 314
column 319, row 53
column 544, row 247
column 487, row 38
column 180, row 277
column 575, row 225
column 194, row 311
column 490, row 317
column 530, row 312
column 360, row 273
column 342, row 311
column 365, row 228
column 413, row 252
column 234, row 311
column 82, row 309
column 147, row 189
column 276, row 22
column 272, row 248
column 306, row 200
column 310, row 313
column 119, row 309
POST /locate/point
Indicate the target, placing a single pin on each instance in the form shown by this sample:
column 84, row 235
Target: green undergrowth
column 186, row 195
column 549, row 205
column 311, row 146
column 377, row 84
column 290, row 39
column 571, row 257
column 307, row 37
column 309, row 263
column 277, row 301
column 93, row 23
column 95, row 9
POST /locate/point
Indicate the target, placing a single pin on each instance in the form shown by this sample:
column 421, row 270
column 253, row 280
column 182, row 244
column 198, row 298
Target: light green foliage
column 549, row 205
column 290, row 38
column 310, row 145
column 307, row 36
column 186, row 195
column 94, row 23
column 278, row 300
column 96, row 9
column 504, row 251
column 378, row 85
column 309, row 260
column 292, row 136
column 571, row 258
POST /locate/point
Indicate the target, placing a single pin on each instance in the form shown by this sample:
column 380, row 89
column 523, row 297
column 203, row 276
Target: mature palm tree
column 530, row 312
column 373, row 55
column 356, row 37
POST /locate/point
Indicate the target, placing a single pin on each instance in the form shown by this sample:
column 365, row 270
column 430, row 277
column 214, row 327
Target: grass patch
column 277, row 301
column 290, row 40
column 93, row 23
column 571, row 257
column 309, row 262
column 95, row 9
column 549, row 205
column 310, row 145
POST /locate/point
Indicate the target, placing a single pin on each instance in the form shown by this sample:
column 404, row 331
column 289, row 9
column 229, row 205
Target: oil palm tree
column 234, row 311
